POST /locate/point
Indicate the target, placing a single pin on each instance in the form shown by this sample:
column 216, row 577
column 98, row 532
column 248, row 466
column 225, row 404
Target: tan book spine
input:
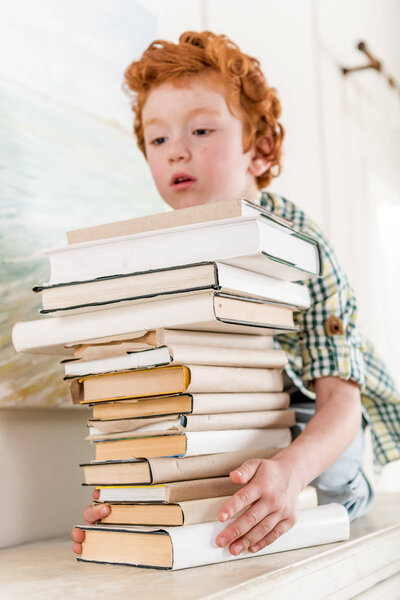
column 163, row 445
column 123, row 473
column 179, row 491
column 121, row 425
column 155, row 405
column 200, row 467
column 185, row 216
column 144, row 514
column 147, row 382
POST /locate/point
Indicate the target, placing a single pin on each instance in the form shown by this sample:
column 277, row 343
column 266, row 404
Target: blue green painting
column 61, row 167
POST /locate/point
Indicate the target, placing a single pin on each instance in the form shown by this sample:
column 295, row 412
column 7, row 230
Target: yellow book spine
column 186, row 381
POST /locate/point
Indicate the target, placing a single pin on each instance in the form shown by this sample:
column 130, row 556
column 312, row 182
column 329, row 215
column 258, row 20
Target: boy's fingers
column 246, row 471
column 91, row 514
column 77, row 548
column 77, row 535
column 242, row 525
column 96, row 494
column 244, row 497
column 256, row 534
column 279, row 529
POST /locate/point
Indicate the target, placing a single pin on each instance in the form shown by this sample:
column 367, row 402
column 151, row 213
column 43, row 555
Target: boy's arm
column 273, row 485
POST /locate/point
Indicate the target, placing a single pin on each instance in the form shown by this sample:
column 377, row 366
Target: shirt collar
column 264, row 199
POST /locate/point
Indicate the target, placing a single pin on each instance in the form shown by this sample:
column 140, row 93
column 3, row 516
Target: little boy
column 207, row 123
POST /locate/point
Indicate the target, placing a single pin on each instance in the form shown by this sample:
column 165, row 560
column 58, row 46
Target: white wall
column 41, row 493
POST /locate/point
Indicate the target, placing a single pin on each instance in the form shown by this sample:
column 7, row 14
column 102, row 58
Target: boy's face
column 194, row 145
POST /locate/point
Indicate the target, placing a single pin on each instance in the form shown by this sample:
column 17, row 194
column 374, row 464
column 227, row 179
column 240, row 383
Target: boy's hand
column 91, row 514
column 271, row 494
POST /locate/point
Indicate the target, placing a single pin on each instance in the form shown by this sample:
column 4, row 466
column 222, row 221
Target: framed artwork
column 68, row 158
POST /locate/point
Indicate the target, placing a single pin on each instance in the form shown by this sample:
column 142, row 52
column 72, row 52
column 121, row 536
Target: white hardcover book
column 76, row 297
column 146, row 340
column 117, row 428
column 204, row 404
column 179, row 355
column 214, row 442
column 205, row 379
column 204, row 312
column 195, row 545
column 254, row 243
column 199, row 443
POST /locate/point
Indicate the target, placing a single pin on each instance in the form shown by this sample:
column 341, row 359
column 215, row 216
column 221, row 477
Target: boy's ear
column 260, row 160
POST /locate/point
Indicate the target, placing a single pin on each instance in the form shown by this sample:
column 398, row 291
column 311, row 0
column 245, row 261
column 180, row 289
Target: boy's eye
column 202, row 131
column 158, row 141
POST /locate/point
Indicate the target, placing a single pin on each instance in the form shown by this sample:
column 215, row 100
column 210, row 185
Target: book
column 186, row 512
column 177, row 355
column 197, row 404
column 171, row 380
column 174, row 491
column 162, row 470
column 207, row 311
column 255, row 243
column 226, row 209
column 120, row 428
column 182, row 547
column 144, row 285
column 146, row 340
column 192, row 443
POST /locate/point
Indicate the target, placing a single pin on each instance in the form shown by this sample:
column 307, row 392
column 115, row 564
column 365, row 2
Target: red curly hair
column 208, row 54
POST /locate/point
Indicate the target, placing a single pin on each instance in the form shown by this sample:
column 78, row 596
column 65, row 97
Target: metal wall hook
column 373, row 63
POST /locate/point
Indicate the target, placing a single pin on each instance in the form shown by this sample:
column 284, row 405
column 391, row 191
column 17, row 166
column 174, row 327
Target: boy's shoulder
column 333, row 270
column 283, row 207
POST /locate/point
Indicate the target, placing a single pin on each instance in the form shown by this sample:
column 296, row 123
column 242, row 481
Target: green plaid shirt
column 316, row 352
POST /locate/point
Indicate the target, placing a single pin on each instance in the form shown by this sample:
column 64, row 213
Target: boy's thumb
column 245, row 472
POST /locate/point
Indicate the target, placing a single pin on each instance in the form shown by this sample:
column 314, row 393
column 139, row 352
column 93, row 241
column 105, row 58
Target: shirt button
column 334, row 326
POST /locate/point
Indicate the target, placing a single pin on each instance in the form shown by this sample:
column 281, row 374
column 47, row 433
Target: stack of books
column 168, row 322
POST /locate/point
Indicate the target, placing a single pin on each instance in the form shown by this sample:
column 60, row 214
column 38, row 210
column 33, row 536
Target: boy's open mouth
column 181, row 181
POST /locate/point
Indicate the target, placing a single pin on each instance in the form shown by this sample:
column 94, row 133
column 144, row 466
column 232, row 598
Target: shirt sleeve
column 329, row 338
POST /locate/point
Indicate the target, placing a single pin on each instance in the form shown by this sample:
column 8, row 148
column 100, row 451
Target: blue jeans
column 344, row 481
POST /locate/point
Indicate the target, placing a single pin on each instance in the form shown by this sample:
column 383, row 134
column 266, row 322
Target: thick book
column 120, row 428
column 255, row 243
column 183, row 547
column 138, row 287
column 162, row 470
column 177, row 355
column 196, row 404
column 172, row 380
column 192, row 443
column 206, row 311
column 186, row 512
column 155, row 338
column 226, row 209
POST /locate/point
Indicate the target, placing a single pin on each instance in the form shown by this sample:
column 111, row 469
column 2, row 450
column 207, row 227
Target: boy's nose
column 178, row 152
